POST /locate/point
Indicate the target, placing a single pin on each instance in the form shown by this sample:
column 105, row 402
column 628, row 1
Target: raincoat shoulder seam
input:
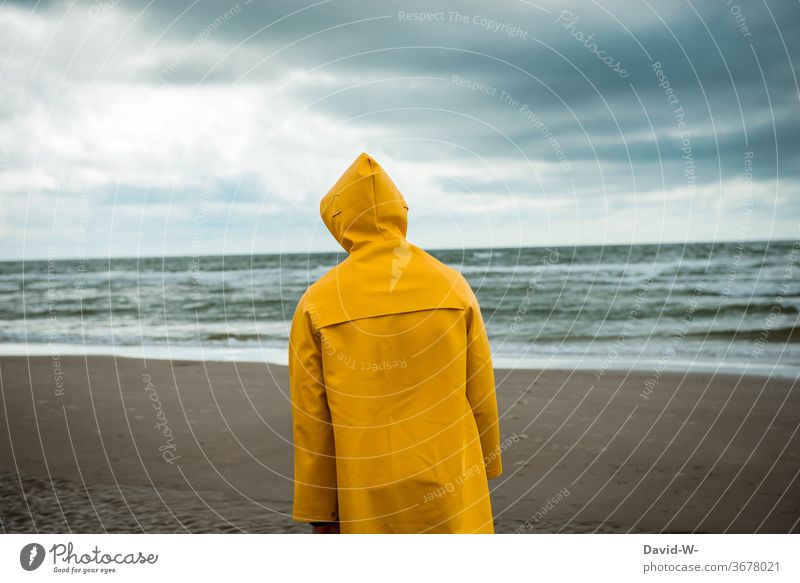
column 393, row 313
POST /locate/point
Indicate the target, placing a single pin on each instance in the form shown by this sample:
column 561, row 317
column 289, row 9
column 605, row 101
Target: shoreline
column 278, row 357
column 703, row 452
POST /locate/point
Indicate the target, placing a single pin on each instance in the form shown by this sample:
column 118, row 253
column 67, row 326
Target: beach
column 104, row 444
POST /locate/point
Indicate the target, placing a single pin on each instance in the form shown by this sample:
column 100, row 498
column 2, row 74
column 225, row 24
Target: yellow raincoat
column 394, row 408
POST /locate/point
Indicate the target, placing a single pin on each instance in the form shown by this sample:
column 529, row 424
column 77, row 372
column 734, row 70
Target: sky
column 136, row 128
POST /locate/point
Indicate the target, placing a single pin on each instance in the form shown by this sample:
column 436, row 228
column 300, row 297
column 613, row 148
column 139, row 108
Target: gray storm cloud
column 510, row 121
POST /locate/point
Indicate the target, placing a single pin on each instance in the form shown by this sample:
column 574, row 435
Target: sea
column 715, row 307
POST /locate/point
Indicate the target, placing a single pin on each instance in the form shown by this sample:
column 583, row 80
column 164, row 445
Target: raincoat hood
column 364, row 206
column 384, row 273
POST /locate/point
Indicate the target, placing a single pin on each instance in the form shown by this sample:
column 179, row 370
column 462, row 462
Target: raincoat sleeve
column 315, row 496
column 481, row 390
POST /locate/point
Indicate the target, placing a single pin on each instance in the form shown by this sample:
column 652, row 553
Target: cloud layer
column 203, row 127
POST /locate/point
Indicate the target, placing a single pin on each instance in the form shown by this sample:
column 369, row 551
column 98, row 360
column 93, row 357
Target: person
column 394, row 411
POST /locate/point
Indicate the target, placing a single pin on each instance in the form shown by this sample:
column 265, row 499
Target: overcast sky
column 198, row 127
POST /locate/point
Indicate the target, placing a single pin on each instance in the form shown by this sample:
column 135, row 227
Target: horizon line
column 238, row 254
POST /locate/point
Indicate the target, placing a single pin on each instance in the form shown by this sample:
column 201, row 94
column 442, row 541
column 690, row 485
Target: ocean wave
column 784, row 335
column 580, row 303
column 226, row 336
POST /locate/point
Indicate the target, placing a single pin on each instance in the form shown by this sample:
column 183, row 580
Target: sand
column 80, row 450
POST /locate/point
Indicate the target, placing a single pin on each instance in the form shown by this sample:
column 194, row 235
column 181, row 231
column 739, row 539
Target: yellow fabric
column 394, row 408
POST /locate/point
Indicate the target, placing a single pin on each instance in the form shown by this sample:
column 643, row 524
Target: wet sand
column 80, row 450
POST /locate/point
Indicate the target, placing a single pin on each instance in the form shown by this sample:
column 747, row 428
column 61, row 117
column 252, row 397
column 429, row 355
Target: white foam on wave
column 152, row 352
column 273, row 355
